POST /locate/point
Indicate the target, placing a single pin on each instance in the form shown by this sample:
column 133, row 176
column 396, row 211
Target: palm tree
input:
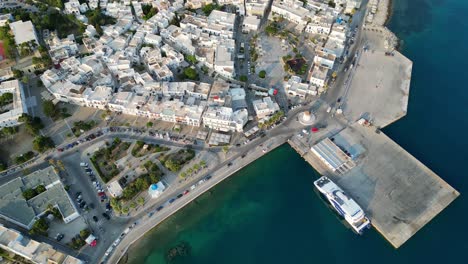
column 203, row 163
column 141, row 200
column 190, row 171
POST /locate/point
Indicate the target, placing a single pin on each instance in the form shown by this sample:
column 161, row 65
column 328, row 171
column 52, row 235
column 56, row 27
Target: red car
column 101, row 194
column 60, row 149
column 186, row 191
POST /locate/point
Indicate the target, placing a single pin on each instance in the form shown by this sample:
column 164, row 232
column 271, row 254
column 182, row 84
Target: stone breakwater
column 377, row 15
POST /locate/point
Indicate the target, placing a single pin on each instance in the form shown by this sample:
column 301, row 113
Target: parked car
column 180, row 195
column 106, row 216
column 159, row 208
column 95, row 218
column 186, row 191
column 84, row 164
column 171, row 200
column 59, row 237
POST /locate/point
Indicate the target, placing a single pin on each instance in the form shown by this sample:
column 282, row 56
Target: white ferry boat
column 343, row 204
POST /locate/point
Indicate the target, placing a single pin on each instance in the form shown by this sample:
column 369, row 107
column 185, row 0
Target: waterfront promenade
column 218, row 174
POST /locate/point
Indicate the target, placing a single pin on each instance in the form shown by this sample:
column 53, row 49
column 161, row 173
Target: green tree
column 191, row 59
column 207, row 9
column 29, row 193
column 262, row 74
column 40, row 189
column 149, row 124
column 203, row 163
column 190, row 171
column 190, row 73
column 183, row 175
column 85, row 233
column 225, row 149
column 32, row 124
column 133, row 205
column 141, row 200
column 243, row 78
column 17, row 74
column 42, row 143
column 49, row 108
column 149, row 11
column 196, row 167
column 172, row 165
column 331, row 4
column 125, row 210
column 39, row 227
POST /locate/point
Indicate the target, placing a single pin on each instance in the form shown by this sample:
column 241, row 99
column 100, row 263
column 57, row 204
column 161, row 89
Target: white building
column 196, row 4
column 60, row 49
column 225, row 119
column 295, row 87
column 32, row 250
column 114, row 188
column 322, row 27
column 15, row 208
column 224, row 60
column 250, row 23
column 155, row 190
column 11, row 112
column 265, row 107
column 23, row 32
column 318, row 76
column 291, row 10
column 255, row 7
column 324, row 58
column 4, row 19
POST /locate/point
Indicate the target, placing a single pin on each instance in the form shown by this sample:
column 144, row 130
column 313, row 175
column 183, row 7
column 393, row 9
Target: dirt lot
column 15, row 145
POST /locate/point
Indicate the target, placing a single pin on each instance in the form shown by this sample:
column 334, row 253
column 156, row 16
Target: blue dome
column 154, row 186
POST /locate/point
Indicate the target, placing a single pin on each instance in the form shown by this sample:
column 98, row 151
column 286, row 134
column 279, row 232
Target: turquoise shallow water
column 268, row 212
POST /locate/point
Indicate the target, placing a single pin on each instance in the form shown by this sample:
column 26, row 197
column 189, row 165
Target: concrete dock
column 398, row 192
column 380, row 88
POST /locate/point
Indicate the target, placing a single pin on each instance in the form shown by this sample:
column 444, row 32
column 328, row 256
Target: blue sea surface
column 269, row 213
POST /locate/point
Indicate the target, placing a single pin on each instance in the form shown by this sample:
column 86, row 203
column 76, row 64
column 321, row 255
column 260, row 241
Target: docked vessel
column 343, row 204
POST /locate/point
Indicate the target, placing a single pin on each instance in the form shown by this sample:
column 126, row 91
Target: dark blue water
column 268, row 213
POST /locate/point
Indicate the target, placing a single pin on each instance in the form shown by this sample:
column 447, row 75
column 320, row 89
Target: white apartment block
column 319, row 76
column 250, row 23
column 32, row 250
column 265, row 107
column 295, row 87
column 11, row 112
column 291, row 10
column 60, row 49
column 255, row 7
column 324, row 58
column 352, row 4
column 322, row 27
column 225, row 119
column 23, row 32
column 196, row 4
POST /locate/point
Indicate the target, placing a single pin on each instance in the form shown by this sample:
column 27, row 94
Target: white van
column 84, row 164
